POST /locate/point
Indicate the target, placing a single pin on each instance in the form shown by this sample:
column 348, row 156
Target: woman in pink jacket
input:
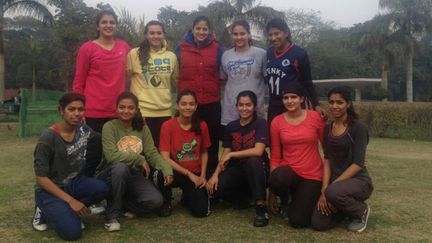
column 101, row 71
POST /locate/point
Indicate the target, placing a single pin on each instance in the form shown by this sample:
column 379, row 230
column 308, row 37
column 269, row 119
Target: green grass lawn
column 400, row 205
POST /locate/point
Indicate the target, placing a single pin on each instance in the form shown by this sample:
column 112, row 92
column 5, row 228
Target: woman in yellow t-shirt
column 152, row 71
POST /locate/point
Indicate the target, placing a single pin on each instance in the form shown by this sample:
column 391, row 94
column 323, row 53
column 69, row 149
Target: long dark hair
column 279, row 24
column 144, row 47
column 196, row 123
column 252, row 96
column 245, row 25
column 345, row 93
column 138, row 121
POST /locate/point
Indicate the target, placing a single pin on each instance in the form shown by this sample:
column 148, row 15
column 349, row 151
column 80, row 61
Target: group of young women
column 146, row 152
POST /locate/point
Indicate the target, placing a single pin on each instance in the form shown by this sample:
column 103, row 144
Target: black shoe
column 283, row 212
column 261, row 218
column 166, row 209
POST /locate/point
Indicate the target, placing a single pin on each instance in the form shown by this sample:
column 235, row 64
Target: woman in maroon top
column 295, row 162
column 184, row 141
column 199, row 56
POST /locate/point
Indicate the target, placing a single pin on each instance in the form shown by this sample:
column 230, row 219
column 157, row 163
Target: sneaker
column 82, row 226
column 283, row 212
column 261, row 218
column 358, row 225
column 166, row 209
column 38, row 223
column 96, row 209
column 129, row 215
column 112, row 225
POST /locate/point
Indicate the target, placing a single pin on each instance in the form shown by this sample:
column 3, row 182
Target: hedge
column 397, row 119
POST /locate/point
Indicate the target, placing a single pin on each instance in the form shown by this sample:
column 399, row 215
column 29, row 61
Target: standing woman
column 199, row 56
column 286, row 63
column 295, row 161
column 346, row 181
column 243, row 66
column 184, row 142
column 101, row 71
column 153, row 70
column 128, row 150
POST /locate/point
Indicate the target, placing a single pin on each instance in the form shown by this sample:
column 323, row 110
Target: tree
column 224, row 12
column 378, row 36
column 27, row 7
column 130, row 28
column 410, row 20
column 75, row 24
column 176, row 23
column 305, row 25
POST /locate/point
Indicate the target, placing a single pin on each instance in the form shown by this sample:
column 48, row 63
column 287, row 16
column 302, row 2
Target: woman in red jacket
column 100, row 73
column 199, row 56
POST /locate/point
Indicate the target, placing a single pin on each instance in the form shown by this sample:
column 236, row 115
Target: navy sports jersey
column 289, row 66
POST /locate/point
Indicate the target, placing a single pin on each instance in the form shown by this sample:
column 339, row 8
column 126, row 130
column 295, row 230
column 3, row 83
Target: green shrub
column 397, row 119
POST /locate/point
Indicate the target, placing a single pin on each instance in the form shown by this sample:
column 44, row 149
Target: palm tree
column 379, row 37
column 32, row 8
column 225, row 12
column 410, row 20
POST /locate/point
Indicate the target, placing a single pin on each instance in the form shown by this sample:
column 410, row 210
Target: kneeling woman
column 295, row 162
column 128, row 149
column 184, row 142
column 243, row 167
column 346, row 182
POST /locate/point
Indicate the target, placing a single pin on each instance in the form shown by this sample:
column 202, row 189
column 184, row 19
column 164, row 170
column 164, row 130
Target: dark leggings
column 154, row 124
column 211, row 114
column 97, row 123
column 195, row 199
column 303, row 194
column 243, row 179
column 348, row 196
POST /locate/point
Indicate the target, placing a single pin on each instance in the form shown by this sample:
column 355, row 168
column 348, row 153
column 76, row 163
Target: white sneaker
column 96, row 209
column 129, row 215
column 112, row 225
column 38, row 223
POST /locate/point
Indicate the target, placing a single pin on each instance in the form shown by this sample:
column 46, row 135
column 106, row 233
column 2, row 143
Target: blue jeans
column 59, row 215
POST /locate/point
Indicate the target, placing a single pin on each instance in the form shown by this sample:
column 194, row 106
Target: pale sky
column 344, row 13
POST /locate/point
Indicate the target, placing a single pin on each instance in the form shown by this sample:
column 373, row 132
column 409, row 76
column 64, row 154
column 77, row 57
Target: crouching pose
column 184, row 143
column 128, row 149
column 295, row 162
column 63, row 193
column 242, row 171
column 346, row 181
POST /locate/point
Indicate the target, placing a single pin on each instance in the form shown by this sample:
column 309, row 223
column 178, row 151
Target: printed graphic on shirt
column 240, row 69
column 243, row 142
column 152, row 71
column 277, row 77
column 188, row 152
column 130, row 144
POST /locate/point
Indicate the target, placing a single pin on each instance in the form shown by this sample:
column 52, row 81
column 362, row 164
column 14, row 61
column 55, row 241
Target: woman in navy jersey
column 286, row 63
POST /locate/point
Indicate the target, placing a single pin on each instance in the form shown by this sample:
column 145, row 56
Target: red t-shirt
column 184, row 146
column 100, row 75
column 299, row 145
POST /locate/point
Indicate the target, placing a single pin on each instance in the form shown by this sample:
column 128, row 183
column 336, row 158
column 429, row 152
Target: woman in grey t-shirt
column 243, row 66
